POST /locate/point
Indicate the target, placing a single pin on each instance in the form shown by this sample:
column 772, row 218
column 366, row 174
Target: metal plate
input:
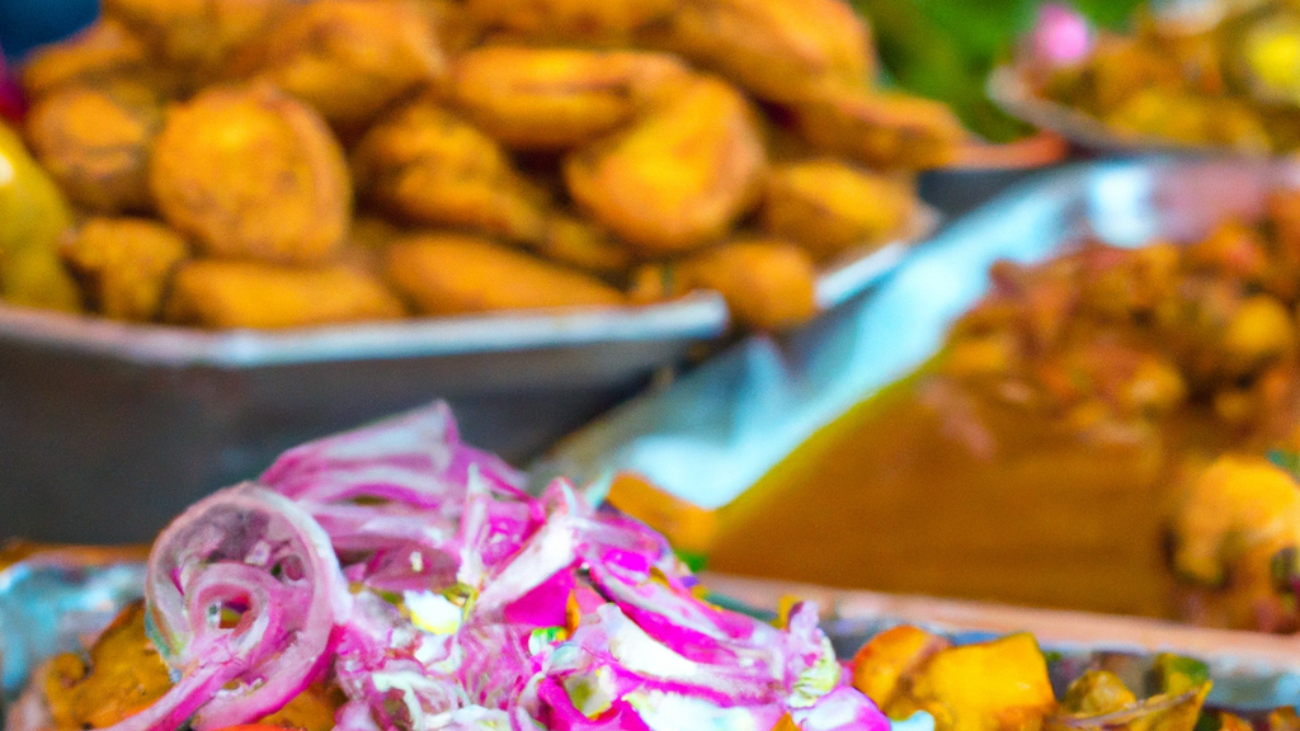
column 714, row 433
column 108, row 429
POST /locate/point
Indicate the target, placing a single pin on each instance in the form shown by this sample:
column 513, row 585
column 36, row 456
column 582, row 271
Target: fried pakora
column 557, row 98
column 351, row 58
column 579, row 243
column 247, row 294
column 426, row 165
column 882, row 130
column 451, row 274
column 768, row 284
column 124, row 265
column 600, row 22
column 830, row 206
column 197, row 36
column 103, row 53
column 251, row 172
column 680, row 176
column 96, row 141
column 779, row 50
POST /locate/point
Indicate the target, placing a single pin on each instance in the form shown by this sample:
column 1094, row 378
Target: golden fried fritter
column 450, row 274
column 780, row 50
column 97, row 142
column 829, row 206
column 677, row 178
column 769, row 284
column 125, row 676
column 426, row 165
column 251, row 172
column 557, row 98
column 452, row 24
column 198, row 36
column 104, row 52
column 582, row 244
column 351, row 58
column 601, row 22
column 247, row 294
column 124, row 265
column 883, row 130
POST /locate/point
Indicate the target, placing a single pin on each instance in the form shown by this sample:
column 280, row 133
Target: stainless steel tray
column 57, row 602
column 715, row 432
column 1009, row 87
column 108, row 429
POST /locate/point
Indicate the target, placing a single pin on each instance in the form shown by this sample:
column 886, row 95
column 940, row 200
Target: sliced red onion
column 248, row 551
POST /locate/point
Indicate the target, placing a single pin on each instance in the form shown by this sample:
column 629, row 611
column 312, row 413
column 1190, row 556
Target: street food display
column 394, row 578
column 562, row 154
column 1210, row 75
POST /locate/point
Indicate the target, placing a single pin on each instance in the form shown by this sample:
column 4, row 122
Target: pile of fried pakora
column 1233, row 83
column 272, row 163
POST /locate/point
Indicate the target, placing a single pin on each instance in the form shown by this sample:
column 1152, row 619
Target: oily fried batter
column 198, row 36
column 250, row 172
column 680, row 176
column 779, row 50
column 829, row 206
column 351, row 58
column 96, row 142
column 601, row 22
column 769, row 284
column 883, row 130
column 557, row 98
column 125, row 675
column 247, row 294
column 584, row 245
column 103, row 53
column 450, row 274
column 426, row 165
column 124, row 265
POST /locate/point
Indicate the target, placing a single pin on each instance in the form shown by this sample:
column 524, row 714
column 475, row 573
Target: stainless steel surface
column 715, row 432
column 109, row 429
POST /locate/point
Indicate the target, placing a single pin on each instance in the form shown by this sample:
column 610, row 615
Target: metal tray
column 1009, row 87
column 715, row 432
column 109, row 429
column 56, row 602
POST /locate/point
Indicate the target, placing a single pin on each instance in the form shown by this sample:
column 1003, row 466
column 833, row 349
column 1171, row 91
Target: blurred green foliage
column 945, row 49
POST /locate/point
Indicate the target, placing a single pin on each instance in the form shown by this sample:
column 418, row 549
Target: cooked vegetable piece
column 124, row 265
column 426, row 165
column 247, row 294
column 883, row 668
column 97, row 143
column 198, row 36
column 602, row 22
column 450, row 274
column 679, row 177
column 252, row 173
column 1097, row 692
column 879, row 129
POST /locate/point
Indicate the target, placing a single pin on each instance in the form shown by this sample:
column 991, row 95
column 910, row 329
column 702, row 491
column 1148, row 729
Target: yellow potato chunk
column 678, row 178
column 425, row 165
column 351, row 58
column 252, row 173
column 557, row 98
column 246, row 294
column 829, row 206
column 780, row 50
column 1000, row 685
column 882, row 130
column 451, row 274
column 124, row 265
column 884, row 666
column 96, row 142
